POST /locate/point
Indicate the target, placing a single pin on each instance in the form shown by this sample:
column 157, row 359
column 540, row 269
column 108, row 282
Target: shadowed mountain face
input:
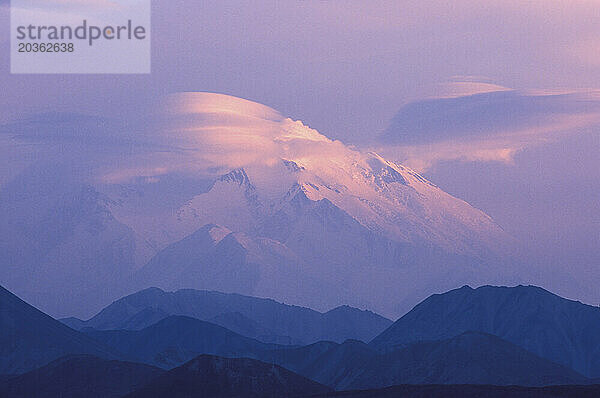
column 470, row 391
column 30, row 338
column 214, row 377
column 335, row 365
column 177, row 339
column 81, row 377
column 471, row 358
column 563, row 331
column 262, row 319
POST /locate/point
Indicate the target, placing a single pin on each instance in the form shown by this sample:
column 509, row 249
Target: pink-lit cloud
column 213, row 133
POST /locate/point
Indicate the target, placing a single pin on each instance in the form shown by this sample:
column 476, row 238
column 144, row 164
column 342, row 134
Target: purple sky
column 347, row 68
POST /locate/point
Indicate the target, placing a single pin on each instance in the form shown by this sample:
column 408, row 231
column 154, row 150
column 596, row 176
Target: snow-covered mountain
column 312, row 221
column 245, row 200
column 382, row 197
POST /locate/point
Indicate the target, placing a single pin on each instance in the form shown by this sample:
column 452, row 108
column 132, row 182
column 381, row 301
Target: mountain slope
column 339, row 366
column 214, row 377
column 263, row 319
column 320, row 232
column 79, row 377
column 563, row 331
column 30, row 338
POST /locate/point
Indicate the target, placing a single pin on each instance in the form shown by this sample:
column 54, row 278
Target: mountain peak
column 215, row 232
column 299, row 195
column 292, row 166
column 150, row 291
column 237, row 176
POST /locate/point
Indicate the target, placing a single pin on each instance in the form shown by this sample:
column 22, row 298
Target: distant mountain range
column 263, row 319
column 440, row 342
column 470, row 358
column 177, row 339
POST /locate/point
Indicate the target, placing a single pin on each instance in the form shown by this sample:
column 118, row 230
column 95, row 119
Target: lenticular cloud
column 211, row 133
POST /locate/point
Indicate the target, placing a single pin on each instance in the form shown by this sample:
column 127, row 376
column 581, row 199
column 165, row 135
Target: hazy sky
column 346, row 68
